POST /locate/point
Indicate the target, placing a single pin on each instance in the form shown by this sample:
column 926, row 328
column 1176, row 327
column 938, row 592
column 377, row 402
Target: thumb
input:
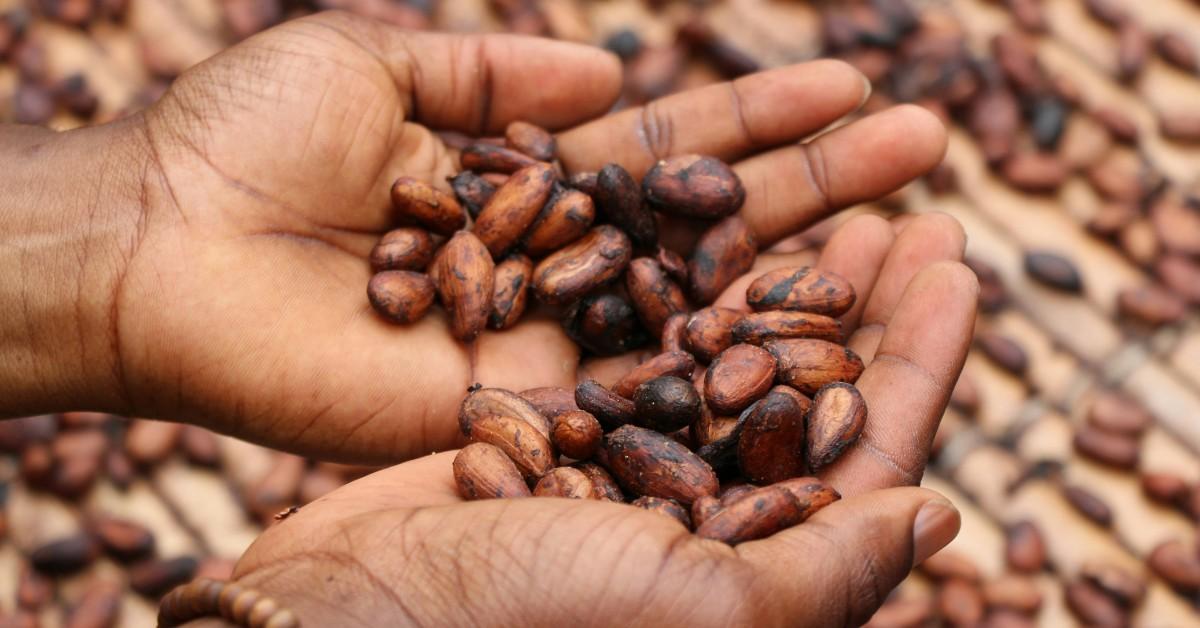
column 838, row 567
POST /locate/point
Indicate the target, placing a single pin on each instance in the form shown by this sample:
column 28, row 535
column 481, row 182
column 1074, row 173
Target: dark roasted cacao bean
column 153, row 578
column 1095, row 608
column 611, row 409
column 1053, row 270
column 64, row 556
column 666, row 404
column 125, row 540
column 1127, row 589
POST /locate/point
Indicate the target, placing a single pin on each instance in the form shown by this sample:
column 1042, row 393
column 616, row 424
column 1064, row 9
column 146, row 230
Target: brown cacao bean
column 1177, row 564
column 1095, row 608
column 765, row 511
column 666, row 404
column 99, row 607
column 550, row 401
column 738, row 376
column 649, row 463
column 563, row 219
column 520, row 441
column 123, row 539
column 1019, row 593
column 1089, row 505
column 585, row 182
column 595, row 259
column 734, row 492
column 1118, row 123
column 655, row 297
column 200, row 446
column 605, row 324
column 994, row 118
column 483, row 471
column 674, row 265
column 406, row 248
column 428, row 206
column 1107, row 11
column 903, row 612
column 1035, row 172
column 803, row 289
column 770, row 447
column 703, row 508
column 604, row 486
column 1151, row 304
column 674, row 334
column 1164, row 488
column 1177, row 225
column 567, row 482
column 153, row 578
column 694, row 186
column 1053, row 270
column 759, row 327
column 64, row 556
column 484, row 157
column 992, row 294
column 510, row 291
column 611, row 409
column 472, row 191
column 835, row 422
column 1181, row 275
column 465, row 276
column 1133, row 48
column 1126, row 588
column 1024, row 549
column 1110, row 448
column 531, row 140
column 619, row 201
column 1003, row 351
column 400, row 296
column 807, row 364
column 514, row 207
column 488, row 402
column 724, row 252
column 710, row 331
column 668, row 507
column 576, row 434
column 1117, row 412
column 961, row 603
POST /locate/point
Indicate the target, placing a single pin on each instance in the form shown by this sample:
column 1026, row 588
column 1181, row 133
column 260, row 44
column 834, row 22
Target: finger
column 839, row 566
column 927, row 239
column 477, row 84
column 856, row 251
column 726, row 120
column 425, row 481
column 791, row 188
column 908, row 384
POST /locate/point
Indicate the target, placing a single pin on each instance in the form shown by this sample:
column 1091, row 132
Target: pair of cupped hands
column 232, row 295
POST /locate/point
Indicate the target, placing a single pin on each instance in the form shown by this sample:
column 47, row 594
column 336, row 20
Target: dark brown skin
column 758, row 327
column 572, row 271
column 737, row 377
column 514, row 207
column 391, row 392
column 710, row 331
column 400, row 296
column 491, row 158
column 565, row 218
column 433, row 209
column 807, row 365
column 406, row 248
column 725, row 251
column 483, row 471
column 654, row 295
column 676, row 363
column 803, row 290
column 646, row 462
column 530, row 139
column 510, row 291
column 619, row 201
column 472, row 191
column 465, row 280
column 771, row 445
column 694, row 186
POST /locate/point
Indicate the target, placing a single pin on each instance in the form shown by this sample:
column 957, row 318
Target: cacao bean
column 803, row 289
column 1112, row 219
column 724, row 252
column 407, row 248
column 835, row 422
column 903, row 612
column 400, row 296
column 64, row 556
column 992, row 295
column 674, row 334
column 759, row 327
column 491, row 158
column 483, row 471
column 948, row 564
column 123, row 539
column 1116, row 412
column 710, row 331
column 961, row 603
column 472, row 191
column 770, row 447
column 619, row 201
column 489, row 402
column 718, row 437
column 1003, row 351
column 605, row 324
column 1126, row 588
column 150, row 442
column 1165, row 488
column 565, row 482
column 1053, row 270
column 734, row 492
column 1133, row 48
column 611, row 409
column 655, row 297
column 1035, row 172
column 1094, row 607
column 563, row 219
column 1118, row 123
column 99, row 607
column 1177, row 564
column 1177, row 225
column 666, row 404
column 531, row 140
column 513, row 208
column 550, row 401
column 994, row 119
column 604, row 486
column 1089, row 505
column 668, row 507
column 595, row 259
column 428, row 206
column 703, row 508
column 1151, row 304
column 200, row 446
column 1113, row 449
column 464, row 283
column 510, row 290
column 807, row 365
column 585, row 182
column 765, row 511
column 646, row 462
column 1024, row 549
column 1019, row 593
column 674, row 265
column 738, row 376
column 694, row 186
column 576, row 434
column 520, row 441
column 153, row 578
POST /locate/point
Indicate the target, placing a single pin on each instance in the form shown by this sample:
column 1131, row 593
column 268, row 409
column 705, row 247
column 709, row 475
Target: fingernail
column 936, row 525
column 866, row 89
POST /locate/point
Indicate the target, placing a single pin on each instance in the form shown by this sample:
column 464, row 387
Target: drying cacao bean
column 1116, row 412
column 759, row 327
column 428, row 206
column 710, row 331
column 961, row 603
column 738, row 376
column 649, row 463
column 1089, row 505
column 694, row 186
column 724, row 252
column 567, row 482
column 510, row 291
column 472, row 191
column 703, row 508
column 674, row 334
column 655, row 297
column 484, row 157
column 595, row 259
column 771, row 443
column 514, row 207
column 619, row 201
column 666, row 404
column 668, row 507
column 576, row 434
column 406, row 248
column 1053, row 270
column 835, row 422
column 801, row 289
column 611, row 409
column 483, row 471
column 605, row 324
column 550, row 401
column 400, row 296
column 765, row 511
column 530, row 139
column 807, row 364
column 563, row 219
column 465, row 276
column 604, row 486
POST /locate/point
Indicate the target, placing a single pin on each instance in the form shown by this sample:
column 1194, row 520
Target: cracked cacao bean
column 759, row 327
column 764, row 511
column 694, row 186
column 802, row 289
column 427, row 206
column 595, row 259
column 710, row 331
column 807, row 364
column 604, row 486
column 472, row 191
column 465, row 276
column 510, row 291
column 491, row 158
column 677, row 363
column 771, row 445
column 724, row 252
column 835, row 422
column 550, row 401
column 619, row 201
column 737, row 377
column 567, row 482
column 655, row 297
column 668, row 507
column 666, row 404
column 531, row 140
column 563, row 219
column 576, row 434
column 514, row 207
column 489, row 402
column 483, row 471
column 611, row 409
column 406, row 248
column 400, row 296
column 649, row 463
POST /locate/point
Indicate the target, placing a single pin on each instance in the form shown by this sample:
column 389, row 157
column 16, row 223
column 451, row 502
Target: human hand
column 234, row 293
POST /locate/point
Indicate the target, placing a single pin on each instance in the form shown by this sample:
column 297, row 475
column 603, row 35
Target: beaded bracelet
column 239, row 605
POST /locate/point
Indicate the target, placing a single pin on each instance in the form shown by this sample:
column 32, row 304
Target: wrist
column 70, row 213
